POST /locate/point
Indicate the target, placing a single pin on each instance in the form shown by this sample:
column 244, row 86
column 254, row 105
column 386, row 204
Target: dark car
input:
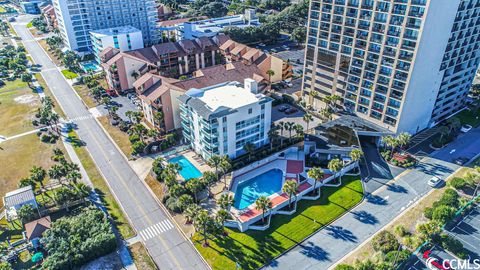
column 283, row 108
column 461, row 160
column 114, row 103
column 291, row 110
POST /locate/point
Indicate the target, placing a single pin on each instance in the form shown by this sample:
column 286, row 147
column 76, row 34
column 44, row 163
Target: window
column 250, row 111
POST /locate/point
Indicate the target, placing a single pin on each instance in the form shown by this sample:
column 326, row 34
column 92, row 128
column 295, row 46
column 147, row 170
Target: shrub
column 138, row 147
column 385, row 242
column 401, row 231
column 453, row 245
column 173, row 205
column 450, row 198
column 457, row 183
column 443, row 213
column 344, row 267
column 412, row 242
column 397, row 257
column 134, row 138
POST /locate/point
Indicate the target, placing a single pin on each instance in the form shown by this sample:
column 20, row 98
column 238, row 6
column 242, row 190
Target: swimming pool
column 188, row 170
column 90, row 66
column 265, row 184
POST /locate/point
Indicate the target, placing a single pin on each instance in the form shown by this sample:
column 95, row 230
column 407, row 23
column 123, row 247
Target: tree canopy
column 74, row 241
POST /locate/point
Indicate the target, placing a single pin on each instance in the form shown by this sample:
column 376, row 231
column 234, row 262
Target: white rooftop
column 231, row 95
column 115, row 31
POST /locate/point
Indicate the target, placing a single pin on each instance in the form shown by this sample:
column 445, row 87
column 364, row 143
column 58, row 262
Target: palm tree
column 225, row 166
column 316, row 174
column 74, row 176
column 135, row 75
column 281, row 125
column 203, row 223
column 220, row 218
column 214, row 162
column 209, row 178
column 139, row 130
column 298, row 130
column 453, row 123
column 335, row 165
column 194, row 185
column 249, row 148
column 56, row 172
column 313, row 95
column 356, row 154
column 270, row 73
column 158, row 118
column 391, row 142
column 38, row 174
column 225, row 201
column 83, row 191
column 273, row 135
column 263, row 204
column 289, row 127
column 307, row 118
column 191, row 212
column 444, row 131
column 290, row 187
column 403, row 139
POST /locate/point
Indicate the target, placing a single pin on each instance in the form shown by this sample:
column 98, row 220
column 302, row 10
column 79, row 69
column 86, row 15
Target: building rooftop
column 220, row 99
column 115, row 31
column 36, row 228
column 19, row 196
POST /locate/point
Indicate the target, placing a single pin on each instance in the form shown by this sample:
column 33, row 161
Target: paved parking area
column 467, row 231
column 126, row 103
column 419, row 263
column 467, row 145
column 297, row 118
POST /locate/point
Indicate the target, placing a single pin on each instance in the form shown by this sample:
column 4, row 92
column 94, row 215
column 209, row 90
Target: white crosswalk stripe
column 156, row 229
column 82, row 117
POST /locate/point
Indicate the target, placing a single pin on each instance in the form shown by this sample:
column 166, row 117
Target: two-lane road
column 167, row 246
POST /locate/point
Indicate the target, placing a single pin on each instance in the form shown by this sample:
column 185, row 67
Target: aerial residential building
column 404, row 65
column 222, row 119
column 123, row 38
column 167, row 59
column 31, row 6
column 159, row 94
column 77, row 18
column 210, row 27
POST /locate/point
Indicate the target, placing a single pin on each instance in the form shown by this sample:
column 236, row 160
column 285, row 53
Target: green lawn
column 253, row 249
column 69, row 74
column 470, row 117
column 120, row 137
column 18, row 105
column 103, row 191
column 29, row 25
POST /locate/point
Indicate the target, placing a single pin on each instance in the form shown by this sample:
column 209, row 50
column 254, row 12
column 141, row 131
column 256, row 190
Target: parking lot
column 125, row 104
column 467, row 231
column 295, row 116
column 419, row 262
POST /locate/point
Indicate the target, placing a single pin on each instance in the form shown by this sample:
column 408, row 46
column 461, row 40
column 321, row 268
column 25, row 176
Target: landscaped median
column 252, row 249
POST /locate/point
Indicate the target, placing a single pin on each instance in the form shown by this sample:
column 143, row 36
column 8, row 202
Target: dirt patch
column 27, row 99
column 111, row 261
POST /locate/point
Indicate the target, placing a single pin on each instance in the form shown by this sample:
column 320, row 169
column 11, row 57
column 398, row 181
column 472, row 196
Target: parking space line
column 469, row 234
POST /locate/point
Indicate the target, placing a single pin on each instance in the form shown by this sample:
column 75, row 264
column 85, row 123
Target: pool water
column 90, row 66
column 188, row 170
column 264, row 184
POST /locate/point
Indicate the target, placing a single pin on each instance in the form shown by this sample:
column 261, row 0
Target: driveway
column 164, row 242
column 466, row 145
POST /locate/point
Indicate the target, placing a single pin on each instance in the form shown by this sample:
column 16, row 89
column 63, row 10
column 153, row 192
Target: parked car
column 436, row 261
column 291, row 110
column 114, row 103
column 461, row 160
column 434, row 181
column 289, row 84
column 466, row 128
column 283, row 108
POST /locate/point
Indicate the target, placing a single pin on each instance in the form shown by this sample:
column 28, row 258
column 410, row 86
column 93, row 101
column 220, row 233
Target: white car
column 466, row 128
column 434, row 181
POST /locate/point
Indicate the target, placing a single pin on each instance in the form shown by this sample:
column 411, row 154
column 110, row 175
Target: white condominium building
column 221, row 119
column 124, row 38
column 402, row 64
column 77, row 18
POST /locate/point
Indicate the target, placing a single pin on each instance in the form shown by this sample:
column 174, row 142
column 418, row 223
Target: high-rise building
column 76, row 18
column 402, row 64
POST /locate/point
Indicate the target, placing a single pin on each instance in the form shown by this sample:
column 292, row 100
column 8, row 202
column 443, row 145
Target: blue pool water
column 188, row 170
column 90, row 66
column 264, row 184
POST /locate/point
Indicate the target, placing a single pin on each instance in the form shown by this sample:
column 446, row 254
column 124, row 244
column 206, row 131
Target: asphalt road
column 167, row 246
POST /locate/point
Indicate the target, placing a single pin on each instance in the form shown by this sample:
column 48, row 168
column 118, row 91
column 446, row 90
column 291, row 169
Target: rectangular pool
column 188, row 170
column 265, row 184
